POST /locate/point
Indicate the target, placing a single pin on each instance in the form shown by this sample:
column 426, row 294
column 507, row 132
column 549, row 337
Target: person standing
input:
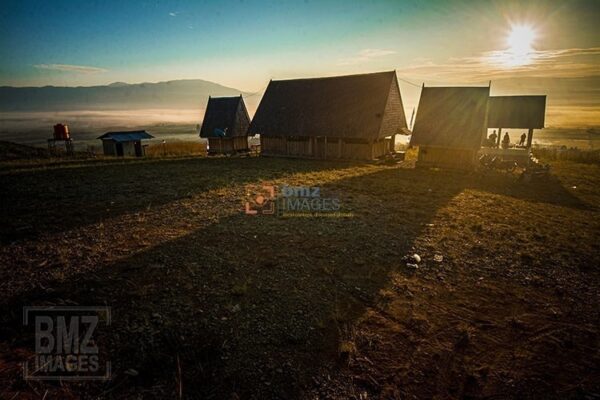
column 505, row 141
column 492, row 139
column 523, row 139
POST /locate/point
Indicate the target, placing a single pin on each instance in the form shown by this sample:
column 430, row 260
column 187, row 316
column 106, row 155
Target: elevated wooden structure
column 343, row 117
column 225, row 125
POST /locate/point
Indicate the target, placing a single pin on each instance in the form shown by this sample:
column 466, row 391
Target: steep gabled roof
column 126, row 136
column 350, row 106
column 517, row 112
column 452, row 117
column 225, row 117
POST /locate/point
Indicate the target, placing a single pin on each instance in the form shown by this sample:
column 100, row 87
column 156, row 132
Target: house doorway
column 138, row 149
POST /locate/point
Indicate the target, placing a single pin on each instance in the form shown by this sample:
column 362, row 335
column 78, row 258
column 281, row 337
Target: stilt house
column 450, row 125
column 343, row 117
column 225, row 125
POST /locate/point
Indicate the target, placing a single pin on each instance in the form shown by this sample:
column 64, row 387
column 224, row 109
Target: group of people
column 492, row 140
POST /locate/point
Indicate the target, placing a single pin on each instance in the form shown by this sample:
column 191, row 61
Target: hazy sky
column 245, row 43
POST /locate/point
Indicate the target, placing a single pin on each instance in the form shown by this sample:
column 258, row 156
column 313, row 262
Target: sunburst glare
column 520, row 50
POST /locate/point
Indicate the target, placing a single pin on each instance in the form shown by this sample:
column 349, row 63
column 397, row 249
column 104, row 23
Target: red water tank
column 66, row 134
column 61, row 132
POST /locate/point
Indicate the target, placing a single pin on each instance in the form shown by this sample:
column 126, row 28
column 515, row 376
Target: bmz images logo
column 291, row 201
column 65, row 343
column 260, row 199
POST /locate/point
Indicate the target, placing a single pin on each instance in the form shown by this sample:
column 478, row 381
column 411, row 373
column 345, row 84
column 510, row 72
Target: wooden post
column 393, row 144
column 340, row 148
column 371, row 144
column 325, row 151
column 287, row 146
column 310, row 146
column 529, row 138
column 499, row 137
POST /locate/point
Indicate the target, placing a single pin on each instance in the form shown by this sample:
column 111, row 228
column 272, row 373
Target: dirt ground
column 208, row 302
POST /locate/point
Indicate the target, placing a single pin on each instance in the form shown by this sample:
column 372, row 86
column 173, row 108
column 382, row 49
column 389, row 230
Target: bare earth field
column 208, row 302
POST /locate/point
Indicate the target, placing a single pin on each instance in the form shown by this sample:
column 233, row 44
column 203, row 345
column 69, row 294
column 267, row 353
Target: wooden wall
column 227, row 145
column 446, row 157
column 110, row 148
column 128, row 149
column 394, row 112
column 323, row 148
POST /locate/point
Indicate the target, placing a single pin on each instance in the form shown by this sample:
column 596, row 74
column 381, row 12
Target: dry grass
column 219, row 304
column 176, row 148
column 567, row 154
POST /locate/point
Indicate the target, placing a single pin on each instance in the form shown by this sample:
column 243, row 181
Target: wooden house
column 225, row 125
column 343, row 117
column 450, row 125
column 126, row 143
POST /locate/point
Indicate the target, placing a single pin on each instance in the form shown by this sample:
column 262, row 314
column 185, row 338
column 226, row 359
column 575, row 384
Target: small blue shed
column 128, row 143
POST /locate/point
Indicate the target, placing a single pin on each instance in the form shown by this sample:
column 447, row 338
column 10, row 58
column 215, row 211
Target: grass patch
column 567, row 154
column 176, row 148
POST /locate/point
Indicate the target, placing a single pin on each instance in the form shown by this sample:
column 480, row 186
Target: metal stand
column 67, row 142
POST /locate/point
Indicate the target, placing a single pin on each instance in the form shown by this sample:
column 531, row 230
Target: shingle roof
column 351, row 106
column 452, row 117
column 517, row 112
column 126, row 136
column 225, row 117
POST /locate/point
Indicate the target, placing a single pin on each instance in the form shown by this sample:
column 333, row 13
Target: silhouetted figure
column 505, row 141
column 492, row 139
column 523, row 139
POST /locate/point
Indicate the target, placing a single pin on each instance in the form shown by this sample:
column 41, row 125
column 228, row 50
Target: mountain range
column 177, row 94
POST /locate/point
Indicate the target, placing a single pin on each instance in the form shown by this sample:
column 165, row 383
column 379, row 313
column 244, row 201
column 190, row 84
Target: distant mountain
column 187, row 94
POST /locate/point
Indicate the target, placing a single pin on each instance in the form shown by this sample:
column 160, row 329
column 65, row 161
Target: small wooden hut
column 127, row 143
column 225, row 125
column 346, row 117
column 450, row 124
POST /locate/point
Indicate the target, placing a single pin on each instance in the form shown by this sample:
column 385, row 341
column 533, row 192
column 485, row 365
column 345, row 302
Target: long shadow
column 250, row 305
column 254, row 307
column 548, row 190
column 59, row 199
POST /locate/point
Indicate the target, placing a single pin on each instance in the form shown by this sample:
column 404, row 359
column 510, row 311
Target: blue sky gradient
column 245, row 43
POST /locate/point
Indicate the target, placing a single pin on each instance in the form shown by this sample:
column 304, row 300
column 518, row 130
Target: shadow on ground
column 34, row 202
column 251, row 306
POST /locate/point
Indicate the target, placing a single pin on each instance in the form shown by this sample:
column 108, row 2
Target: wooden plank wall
column 109, row 148
column 240, row 143
column 220, row 145
column 227, row 145
column 323, row 148
column 271, row 145
column 446, row 158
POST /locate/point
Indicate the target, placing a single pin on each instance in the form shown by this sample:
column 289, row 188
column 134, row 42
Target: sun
column 520, row 49
column 520, row 39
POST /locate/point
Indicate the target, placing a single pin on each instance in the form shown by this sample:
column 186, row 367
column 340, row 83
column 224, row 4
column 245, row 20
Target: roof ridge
column 387, row 99
column 225, row 97
column 456, row 87
column 333, row 77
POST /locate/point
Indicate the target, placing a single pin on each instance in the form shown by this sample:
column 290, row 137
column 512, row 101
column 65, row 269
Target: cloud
column 81, row 69
column 497, row 64
column 174, row 13
column 365, row 55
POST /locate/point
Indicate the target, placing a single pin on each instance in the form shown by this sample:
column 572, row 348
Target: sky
column 245, row 43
